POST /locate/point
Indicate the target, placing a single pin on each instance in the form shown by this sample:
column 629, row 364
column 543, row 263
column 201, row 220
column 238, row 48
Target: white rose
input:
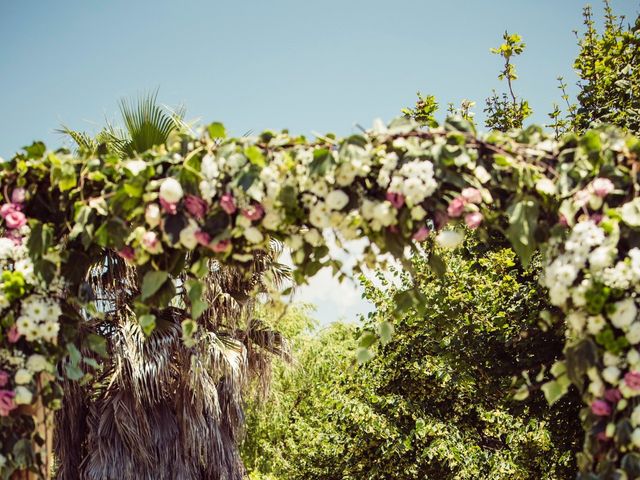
column 23, row 396
column 601, row 258
column 23, row 376
column 482, row 174
column 558, row 295
column 253, row 235
column 546, row 186
column 313, row 238
column 37, row 363
column 635, row 438
column 319, row 215
column 171, row 190
column 449, row 238
column 633, row 335
column 384, row 213
column 337, row 200
column 152, row 215
column 625, row 312
column 596, row 388
column 611, row 375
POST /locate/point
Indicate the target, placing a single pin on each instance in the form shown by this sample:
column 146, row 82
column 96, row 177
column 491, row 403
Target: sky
column 306, row 66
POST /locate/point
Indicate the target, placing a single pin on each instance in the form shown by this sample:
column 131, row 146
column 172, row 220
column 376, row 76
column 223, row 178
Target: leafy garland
column 203, row 196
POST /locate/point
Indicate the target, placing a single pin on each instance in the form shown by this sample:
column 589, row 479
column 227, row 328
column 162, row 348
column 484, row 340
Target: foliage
column 436, row 402
column 607, row 66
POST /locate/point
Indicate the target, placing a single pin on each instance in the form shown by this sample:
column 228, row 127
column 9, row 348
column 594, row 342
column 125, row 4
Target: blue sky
column 306, row 66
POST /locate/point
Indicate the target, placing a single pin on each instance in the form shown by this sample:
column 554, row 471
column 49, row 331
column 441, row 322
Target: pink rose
column 203, row 238
column 600, row 408
column 150, row 240
column 253, row 212
column 196, row 206
column 18, row 195
column 421, row 234
column 632, row 379
column 15, row 220
column 169, row 208
column 602, row 187
column 127, row 252
column 8, row 208
column 4, row 378
column 456, row 207
column 13, row 335
column 471, row 195
column 473, row 220
column 613, row 395
column 221, row 246
column 396, row 199
column 6, row 402
column 227, row 203
column 581, row 197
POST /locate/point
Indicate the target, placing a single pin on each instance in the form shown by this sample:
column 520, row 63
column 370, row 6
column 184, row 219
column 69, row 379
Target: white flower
column 635, row 417
column 22, row 376
column 633, row 357
column 384, row 213
column 25, row 324
column 171, row 190
column 271, row 220
column 578, row 295
column 243, row 222
column 611, row 375
column 35, row 307
column 633, row 335
column 253, row 235
column 38, row 363
column 635, row 437
column 596, row 388
column 418, row 213
column 625, row 312
column 601, row 257
column 577, row 321
column 188, row 235
column 595, row 324
column 319, row 215
column 558, row 295
column 294, row 242
column 313, row 238
column 610, row 360
column 449, row 238
column 7, row 248
column 546, row 186
column 337, row 200
column 209, row 167
column 23, row 396
column 49, row 330
column 482, row 174
column 152, row 215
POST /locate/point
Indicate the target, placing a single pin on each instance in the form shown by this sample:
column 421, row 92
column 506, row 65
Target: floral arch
column 202, row 197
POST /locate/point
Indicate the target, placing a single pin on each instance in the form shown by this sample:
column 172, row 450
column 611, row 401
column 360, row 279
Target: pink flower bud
column 4, row 378
column 456, row 207
column 196, row 206
column 227, row 203
column 127, row 253
column 13, row 335
column 473, row 220
column 396, row 199
column 253, row 212
column 18, row 195
column 613, row 395
column 471, row 195
column 169, row 208
column 15, row 220
column 203, row 238
column 602, row 187
column 221, row 246
column 600, row 408
column 6, row 402
column 421, row 234
column 632, row 380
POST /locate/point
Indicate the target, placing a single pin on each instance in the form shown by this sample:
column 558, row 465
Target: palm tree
column 158, row 408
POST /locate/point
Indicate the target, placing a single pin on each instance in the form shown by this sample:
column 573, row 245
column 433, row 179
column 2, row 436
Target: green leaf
column 255, row 156
column 217, row 130
column 363, row 355
column 437, row 264
column 554, row 390
column 152, row 282
column 367, row 339
column 147, row 323
column 523, row 219
column 385, row 331
column 189, row 328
